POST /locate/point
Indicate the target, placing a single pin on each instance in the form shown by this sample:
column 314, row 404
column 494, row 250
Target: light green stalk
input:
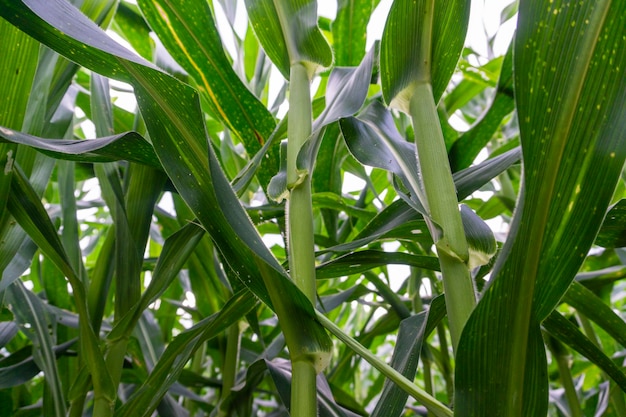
column 440, row 191
column 300, row 243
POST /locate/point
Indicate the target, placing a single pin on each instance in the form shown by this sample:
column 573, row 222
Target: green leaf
column 29, row 309
column 466, row 148
column 280, row 371
column 401, row 221
column 351, row 27
column 573, row 154
column 347, row 89
column 401, row 55
column 589, row 304
column 473, row 178
column 124, row 146
column 404, row 359
column 373, row 139
column 172, row 114
column 474, row 82
column 147, row 397
column 338, row 203
column 176, row 251
column 20, row 366
column 346, row 92
column 131, row 25
column 613, row 231
column 26, row 208
column 21, row 53
column 189, row 33
column 289, row 33
column 398, row 220
column 16, row 79
column 358, row 262
column 564, row 330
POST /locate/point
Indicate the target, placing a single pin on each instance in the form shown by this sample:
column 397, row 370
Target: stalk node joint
column 319, row 359
column 301, row 176
column 444, row 246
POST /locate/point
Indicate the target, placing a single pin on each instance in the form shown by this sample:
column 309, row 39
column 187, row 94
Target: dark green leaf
column 564, row 330
column 189, row 33
column 289, row 33
column 589, row 304
column 573, row 154
column 404, row 359
column 358, row 262
column 400, row 49
column 125, row 146
column 612, row 234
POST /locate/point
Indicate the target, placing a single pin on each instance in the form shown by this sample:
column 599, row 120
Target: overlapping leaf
column 564, row 330
column 172, row 113
column 124, row 146
column 374, row 140
column 405, row 358
column 289, row 33
column 358, row 262
column 189, row 33
column 469, row 144
column 400, row 49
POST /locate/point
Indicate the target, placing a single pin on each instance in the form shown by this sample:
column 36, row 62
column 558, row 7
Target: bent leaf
column 189, row 33
column 172, row 113
column 125, row 146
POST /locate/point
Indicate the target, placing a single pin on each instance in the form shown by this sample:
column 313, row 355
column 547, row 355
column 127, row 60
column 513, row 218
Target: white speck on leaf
column 9, row 165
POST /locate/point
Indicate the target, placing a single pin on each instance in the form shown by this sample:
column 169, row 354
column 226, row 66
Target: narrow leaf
column 188, row 31
column 358, row 262
column 467, row 147
column 564, row 330
column 404, row 359
column 124, row 146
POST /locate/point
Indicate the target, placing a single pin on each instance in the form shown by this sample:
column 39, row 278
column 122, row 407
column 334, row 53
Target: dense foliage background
column 148, row 263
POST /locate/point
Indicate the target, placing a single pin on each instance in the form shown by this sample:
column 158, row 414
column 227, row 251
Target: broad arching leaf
column 171, row 110
column 289, row 33
column 570, row 98
column 401, row 47
column 196, row 45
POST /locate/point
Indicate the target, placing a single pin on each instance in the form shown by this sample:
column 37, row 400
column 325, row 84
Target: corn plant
column 178, row 235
